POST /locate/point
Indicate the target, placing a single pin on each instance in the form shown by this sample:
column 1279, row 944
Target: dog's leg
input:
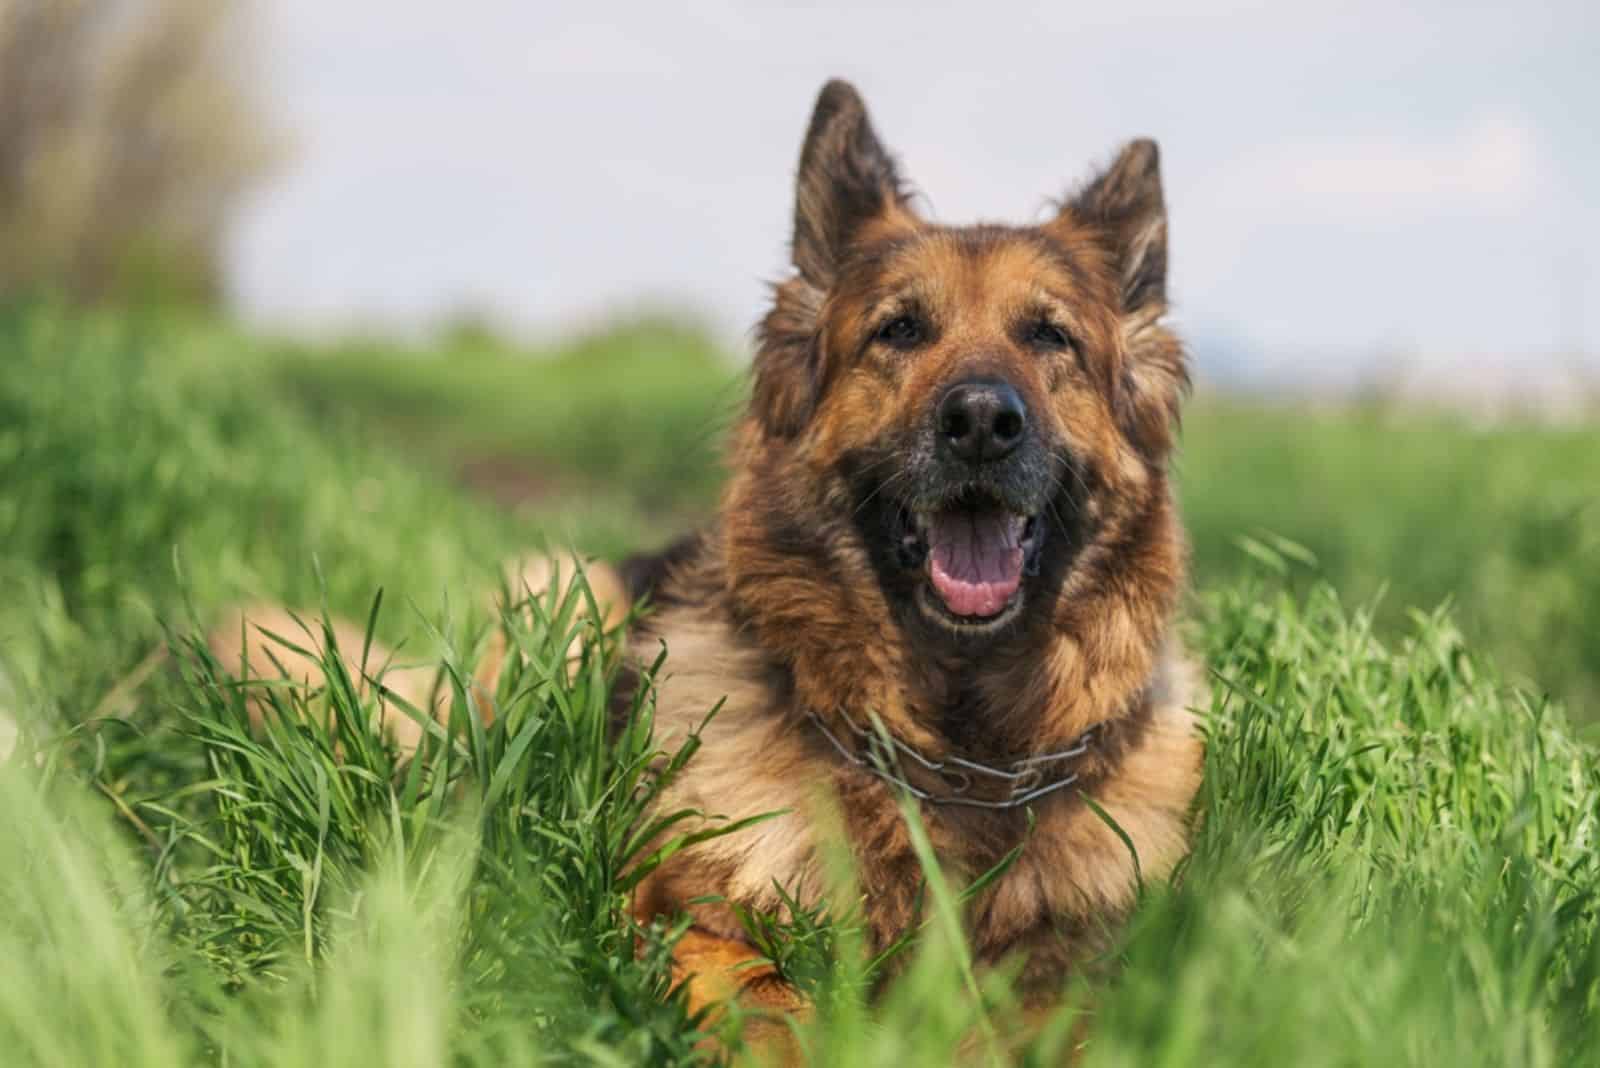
column 527, row 579
column 717, row 972
column 242, row 644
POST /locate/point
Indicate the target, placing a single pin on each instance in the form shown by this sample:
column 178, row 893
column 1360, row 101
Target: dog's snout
column 981, row 420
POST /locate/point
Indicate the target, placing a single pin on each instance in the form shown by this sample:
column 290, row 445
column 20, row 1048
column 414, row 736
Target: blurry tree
column 129, row 131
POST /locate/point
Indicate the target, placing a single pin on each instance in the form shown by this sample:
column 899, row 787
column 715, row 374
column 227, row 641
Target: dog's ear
column 1124, row 209
column 847, row 180
column 846, row 186
column 1124, row 203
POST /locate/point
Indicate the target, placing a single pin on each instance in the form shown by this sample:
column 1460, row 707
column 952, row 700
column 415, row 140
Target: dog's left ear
column 1124, row 210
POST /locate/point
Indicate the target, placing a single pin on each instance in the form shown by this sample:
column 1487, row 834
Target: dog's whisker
column 1057, row 491
column 881, row 487
column 1078, row 477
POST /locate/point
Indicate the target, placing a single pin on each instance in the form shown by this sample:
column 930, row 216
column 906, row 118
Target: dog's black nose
column 981, row 420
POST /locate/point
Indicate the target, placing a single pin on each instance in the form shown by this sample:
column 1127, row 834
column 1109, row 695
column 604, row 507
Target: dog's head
column 983, row 402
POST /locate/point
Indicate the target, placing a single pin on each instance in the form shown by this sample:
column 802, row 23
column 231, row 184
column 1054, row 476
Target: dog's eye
column 902, row 332
column 1043, row 334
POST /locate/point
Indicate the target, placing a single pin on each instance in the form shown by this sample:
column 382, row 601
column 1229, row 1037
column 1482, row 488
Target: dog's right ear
column 847, row 181
column 847, row 185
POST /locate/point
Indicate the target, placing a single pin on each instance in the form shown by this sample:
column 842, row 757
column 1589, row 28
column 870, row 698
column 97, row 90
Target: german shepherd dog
column 946, row 563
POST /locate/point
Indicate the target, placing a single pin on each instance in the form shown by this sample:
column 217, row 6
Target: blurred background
column 1354, row 188
column 516, row 249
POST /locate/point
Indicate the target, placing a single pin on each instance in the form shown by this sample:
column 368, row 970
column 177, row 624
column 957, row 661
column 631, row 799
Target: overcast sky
column 1343, row 179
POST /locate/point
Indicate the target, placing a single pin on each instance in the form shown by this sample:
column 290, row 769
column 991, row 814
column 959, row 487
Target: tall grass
column 1395, row 860
column 1501, row 521
column 637, row 410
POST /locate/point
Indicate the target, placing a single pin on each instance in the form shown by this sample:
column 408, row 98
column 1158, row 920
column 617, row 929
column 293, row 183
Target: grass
column 482, row 409
column 1502, row 521
column 1396, row 864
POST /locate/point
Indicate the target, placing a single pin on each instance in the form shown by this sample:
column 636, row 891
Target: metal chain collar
column 1025, row 776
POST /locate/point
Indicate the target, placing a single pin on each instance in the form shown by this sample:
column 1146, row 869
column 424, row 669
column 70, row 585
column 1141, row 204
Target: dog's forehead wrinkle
column 932, row 250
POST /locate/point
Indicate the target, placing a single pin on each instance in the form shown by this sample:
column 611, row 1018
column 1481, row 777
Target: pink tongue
column 975, row 560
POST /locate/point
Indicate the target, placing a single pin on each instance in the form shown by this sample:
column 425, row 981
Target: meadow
column 1398, row 510
column 1397, row 858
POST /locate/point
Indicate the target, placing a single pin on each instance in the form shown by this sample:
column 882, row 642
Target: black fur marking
column 619, row 708
column 645, row 574
column 878, row 519
column 648, row 575
column 787, row 380
column 797, row 538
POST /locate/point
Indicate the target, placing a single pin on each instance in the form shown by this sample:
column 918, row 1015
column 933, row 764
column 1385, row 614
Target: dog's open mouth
column 975, row 552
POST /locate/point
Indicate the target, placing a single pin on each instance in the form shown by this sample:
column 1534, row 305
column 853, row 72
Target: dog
column 945, row 566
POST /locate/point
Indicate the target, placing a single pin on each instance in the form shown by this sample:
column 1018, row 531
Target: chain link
column 1023, row 775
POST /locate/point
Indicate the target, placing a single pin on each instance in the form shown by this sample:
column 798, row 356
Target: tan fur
column 782, row 614
column 788, row 610
column 1075, row 870
column 720, row 972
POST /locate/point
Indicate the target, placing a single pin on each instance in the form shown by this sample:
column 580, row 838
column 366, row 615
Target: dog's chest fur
column 761, row 754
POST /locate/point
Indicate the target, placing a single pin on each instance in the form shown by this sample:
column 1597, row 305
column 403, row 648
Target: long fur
column 780, row 612
column 786, row 608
